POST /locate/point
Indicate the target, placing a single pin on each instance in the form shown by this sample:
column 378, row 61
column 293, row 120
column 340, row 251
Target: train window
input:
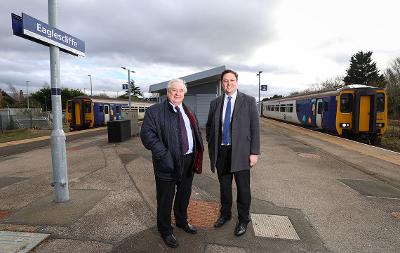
column 105, row 109
column 141, row 109
column 101, row 108
column 283, row 108
column 346, row 103
column 88, row 107
column 69, row 106
column 319, row 110
column 380, row 102
column 276, row 108
column 290, row 107
column 118, row 109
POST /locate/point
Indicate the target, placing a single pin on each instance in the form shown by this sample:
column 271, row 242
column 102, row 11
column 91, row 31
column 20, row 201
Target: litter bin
column 119, row 130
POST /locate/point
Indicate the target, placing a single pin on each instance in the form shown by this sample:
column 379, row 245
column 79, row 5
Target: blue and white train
column 353, row 111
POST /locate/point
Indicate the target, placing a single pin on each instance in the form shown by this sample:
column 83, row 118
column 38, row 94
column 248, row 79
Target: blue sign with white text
column 38, row 31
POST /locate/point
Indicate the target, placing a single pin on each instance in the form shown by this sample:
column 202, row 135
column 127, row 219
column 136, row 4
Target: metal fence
column 14, row 118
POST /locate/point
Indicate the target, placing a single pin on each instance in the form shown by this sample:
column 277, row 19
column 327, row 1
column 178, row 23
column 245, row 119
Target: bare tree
column 392, row 75
column 14, row 93
column 332, row 83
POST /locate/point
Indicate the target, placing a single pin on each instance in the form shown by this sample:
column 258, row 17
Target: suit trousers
column 165, row 197
column 242, row 179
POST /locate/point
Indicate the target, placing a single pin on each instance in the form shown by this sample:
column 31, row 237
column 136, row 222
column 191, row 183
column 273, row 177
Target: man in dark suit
column 233, row 136
column 171, row 131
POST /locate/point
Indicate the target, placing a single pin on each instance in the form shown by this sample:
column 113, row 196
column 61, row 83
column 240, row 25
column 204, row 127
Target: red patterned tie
column 184, row 136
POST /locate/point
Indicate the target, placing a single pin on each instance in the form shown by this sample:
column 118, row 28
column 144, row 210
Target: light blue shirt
column 188, row 127
column 233, row 100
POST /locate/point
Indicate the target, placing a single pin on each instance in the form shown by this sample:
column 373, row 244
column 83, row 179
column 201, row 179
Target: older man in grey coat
column 233, row 136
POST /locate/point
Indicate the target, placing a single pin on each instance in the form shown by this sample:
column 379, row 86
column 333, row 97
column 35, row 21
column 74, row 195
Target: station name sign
column 35, row 30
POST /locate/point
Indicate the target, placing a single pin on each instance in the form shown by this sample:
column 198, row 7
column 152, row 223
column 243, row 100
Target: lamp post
column 259, row 91
column 129, row 84
column 91, row 87
column 27, row 92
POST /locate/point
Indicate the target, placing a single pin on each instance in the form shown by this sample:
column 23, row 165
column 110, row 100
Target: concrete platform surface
column 310, row 193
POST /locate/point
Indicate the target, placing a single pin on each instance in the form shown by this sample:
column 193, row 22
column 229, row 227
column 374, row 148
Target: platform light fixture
column 91, row 87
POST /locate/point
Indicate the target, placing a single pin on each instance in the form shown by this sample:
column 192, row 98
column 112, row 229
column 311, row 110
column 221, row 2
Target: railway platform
column 311, row 192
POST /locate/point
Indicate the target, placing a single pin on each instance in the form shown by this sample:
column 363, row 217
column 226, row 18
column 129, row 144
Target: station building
column 202, row 88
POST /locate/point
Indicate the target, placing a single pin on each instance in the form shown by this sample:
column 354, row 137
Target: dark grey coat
column 245, row 131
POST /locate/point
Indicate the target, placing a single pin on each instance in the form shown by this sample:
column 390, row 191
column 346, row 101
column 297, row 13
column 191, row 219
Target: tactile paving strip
column 19, row 242
column 273, row 226
column 202, row 213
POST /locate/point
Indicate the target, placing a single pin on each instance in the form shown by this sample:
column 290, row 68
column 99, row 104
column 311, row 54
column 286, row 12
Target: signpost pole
column 129, row 88
column 58, row 149
column 259, row 92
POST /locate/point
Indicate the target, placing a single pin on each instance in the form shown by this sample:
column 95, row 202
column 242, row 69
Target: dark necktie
column 184, row 137
column 227, row 123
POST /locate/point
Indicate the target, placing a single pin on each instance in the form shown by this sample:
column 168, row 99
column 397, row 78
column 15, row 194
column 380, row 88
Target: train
column 355, row 111
column 84, row 112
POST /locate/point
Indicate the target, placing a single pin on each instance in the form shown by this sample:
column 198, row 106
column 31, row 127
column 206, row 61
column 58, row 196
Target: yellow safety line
column 41, row 138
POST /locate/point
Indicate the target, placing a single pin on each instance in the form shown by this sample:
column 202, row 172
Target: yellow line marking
column 41, row 138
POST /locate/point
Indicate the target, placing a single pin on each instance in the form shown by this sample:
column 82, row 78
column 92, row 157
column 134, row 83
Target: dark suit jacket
column 160, row 133
column 245, row 131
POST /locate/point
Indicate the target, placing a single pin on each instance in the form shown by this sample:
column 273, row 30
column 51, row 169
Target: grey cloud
column 198, row 34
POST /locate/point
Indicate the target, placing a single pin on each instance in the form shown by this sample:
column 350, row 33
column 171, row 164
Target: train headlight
column 380, row 124
column 345, row 125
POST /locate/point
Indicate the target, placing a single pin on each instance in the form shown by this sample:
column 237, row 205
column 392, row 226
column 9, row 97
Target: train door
column 318, row 116
column 77, row 112
column 106, row 113
column 365, row 111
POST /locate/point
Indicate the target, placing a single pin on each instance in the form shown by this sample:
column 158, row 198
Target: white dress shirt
column 188, row 127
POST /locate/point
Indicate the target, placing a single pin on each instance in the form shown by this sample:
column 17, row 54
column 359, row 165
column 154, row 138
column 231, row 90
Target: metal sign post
column 259, row 92
column 35, row 30
column 129, row 84
column 58, row 148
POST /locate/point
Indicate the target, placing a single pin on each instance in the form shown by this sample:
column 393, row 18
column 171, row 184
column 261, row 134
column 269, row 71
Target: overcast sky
column 295, row 43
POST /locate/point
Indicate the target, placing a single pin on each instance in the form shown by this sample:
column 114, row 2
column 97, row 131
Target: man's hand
column 253, row 160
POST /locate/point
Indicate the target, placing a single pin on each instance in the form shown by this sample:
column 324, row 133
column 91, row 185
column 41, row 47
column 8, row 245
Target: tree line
column 38, row 99
column 42, row 97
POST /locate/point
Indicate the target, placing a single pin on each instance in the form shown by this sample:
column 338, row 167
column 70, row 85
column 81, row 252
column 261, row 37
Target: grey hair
column 177, row 80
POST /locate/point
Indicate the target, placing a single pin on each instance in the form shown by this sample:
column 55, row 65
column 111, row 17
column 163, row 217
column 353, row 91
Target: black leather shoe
column 241, row 228
column 189, row 228
column 170, row 240
column 221, row 221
